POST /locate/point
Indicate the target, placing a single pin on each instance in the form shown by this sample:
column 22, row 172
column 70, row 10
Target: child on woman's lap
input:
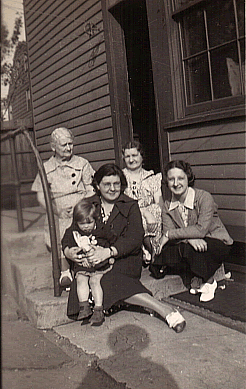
column 83, row 234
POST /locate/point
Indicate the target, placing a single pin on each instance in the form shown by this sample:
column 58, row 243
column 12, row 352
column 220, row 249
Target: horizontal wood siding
column 69, row 76
column 27, row 170
column 19, row 105
column 26, row 162
column 217, row 155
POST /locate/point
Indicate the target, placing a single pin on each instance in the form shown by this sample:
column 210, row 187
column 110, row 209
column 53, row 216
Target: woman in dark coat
column 123, row 216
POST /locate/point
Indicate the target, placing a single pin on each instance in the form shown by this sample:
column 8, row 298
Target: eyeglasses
column 108, row 185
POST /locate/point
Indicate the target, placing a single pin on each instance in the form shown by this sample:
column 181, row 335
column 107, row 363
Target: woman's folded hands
column 99, row 254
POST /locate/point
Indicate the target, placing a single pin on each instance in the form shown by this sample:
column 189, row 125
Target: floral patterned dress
column 143, row 191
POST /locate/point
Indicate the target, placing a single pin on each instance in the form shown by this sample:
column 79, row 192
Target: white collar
column 188, row 203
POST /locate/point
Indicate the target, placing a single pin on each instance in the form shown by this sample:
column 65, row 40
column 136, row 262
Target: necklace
column 105, row 214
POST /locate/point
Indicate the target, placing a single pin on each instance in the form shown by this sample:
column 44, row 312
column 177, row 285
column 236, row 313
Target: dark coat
column 123, row 280
column 125, row 222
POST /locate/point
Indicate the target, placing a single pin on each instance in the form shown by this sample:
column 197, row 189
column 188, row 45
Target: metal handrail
column 48, row 202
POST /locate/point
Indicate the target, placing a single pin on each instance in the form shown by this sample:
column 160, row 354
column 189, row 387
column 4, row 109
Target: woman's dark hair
column 185, row 166
column 133, row 144
column 109, row 169
column 84, row 211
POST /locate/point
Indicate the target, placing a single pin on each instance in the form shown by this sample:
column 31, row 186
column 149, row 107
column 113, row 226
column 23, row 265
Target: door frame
column 118, row 76
column 118, row 80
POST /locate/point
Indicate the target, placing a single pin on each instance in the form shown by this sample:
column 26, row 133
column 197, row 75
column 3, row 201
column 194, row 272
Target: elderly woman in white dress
column 145, row 187
column 69, row 177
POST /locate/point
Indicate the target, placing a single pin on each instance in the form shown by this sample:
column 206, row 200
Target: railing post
column 48, row 201
column 17, row 185
column 51, row 219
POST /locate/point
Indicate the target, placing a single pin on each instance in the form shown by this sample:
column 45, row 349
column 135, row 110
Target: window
column 212, row 40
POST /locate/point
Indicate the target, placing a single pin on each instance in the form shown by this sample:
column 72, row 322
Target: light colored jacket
column 203, row 220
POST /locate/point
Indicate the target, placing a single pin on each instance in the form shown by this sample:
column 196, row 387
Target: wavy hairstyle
column 109, row 169
column 133, row 144
column 185, row 166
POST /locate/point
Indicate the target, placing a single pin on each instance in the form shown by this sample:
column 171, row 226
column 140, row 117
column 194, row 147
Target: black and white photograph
column 123, row 212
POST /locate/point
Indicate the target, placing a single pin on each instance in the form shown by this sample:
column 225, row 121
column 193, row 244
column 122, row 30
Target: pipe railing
column 48, row 201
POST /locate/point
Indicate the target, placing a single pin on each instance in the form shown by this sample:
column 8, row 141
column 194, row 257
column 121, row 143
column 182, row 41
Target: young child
column 84, row 234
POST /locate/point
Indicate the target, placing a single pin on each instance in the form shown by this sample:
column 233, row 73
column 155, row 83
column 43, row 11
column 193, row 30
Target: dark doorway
column 132, row 16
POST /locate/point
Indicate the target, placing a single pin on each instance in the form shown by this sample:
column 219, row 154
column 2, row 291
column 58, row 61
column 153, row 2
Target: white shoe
column 176, row 321
column 195, row 291
column 207, row 291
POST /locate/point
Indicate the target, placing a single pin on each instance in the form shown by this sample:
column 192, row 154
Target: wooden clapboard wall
column 27, row 170
column 69, row 75
column 217, row 155
column 20, row 108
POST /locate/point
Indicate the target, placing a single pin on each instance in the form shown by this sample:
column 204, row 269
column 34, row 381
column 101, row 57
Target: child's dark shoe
column 84, row 310
column 98, row 316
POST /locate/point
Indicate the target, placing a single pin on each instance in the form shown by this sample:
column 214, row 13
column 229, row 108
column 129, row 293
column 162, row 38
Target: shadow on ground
column 128, row 343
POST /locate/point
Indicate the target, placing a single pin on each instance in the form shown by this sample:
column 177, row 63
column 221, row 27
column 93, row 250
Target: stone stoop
column 31, row 273
column 164, row 287
column 35, row 294
column 46, row 311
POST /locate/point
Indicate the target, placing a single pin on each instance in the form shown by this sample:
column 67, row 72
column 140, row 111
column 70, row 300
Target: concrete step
column 27, row 272
column 31, row 272
column 44, row 310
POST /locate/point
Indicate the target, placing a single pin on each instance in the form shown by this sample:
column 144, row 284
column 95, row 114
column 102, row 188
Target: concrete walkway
column 35, row 359
column 144, row 353
column 140, row 351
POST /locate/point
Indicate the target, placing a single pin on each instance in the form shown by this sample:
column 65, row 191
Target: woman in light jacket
column 192, row 229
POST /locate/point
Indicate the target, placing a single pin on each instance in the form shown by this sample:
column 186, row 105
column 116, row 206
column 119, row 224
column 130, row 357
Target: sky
column 9, row 10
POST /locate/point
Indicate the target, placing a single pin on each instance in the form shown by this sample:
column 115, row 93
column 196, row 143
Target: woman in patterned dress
column 145, row 187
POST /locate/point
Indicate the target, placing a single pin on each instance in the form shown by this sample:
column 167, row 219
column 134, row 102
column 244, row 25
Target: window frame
column 230, row 106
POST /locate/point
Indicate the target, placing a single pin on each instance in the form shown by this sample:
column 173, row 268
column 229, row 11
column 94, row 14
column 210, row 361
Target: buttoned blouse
column 67, row 180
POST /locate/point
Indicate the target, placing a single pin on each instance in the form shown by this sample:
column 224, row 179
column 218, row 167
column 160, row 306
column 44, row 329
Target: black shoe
column 145, row 264
column 179, row 327
column 158, row 271
column 84, row 310
column 98, row 317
